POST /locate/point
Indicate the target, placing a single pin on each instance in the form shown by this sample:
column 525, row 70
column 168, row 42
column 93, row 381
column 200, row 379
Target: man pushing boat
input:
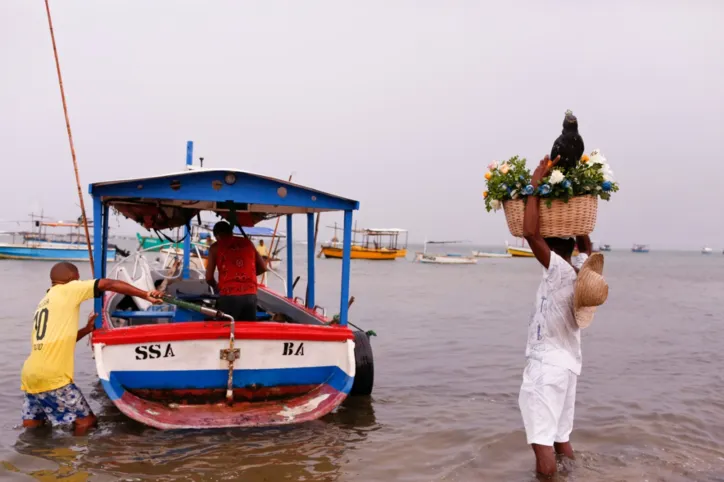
column 47, row 375
column 569, row 292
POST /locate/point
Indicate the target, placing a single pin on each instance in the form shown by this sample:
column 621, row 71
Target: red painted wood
column 239, row 414
column 209, row 330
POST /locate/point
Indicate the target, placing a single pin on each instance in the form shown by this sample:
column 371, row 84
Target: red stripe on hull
column 210, row 330
column 211, row 396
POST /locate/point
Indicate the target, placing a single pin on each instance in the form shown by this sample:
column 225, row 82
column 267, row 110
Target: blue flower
column 521, row 177
column 545, row 189
column 528, row 190
column 606, row 186
column 566, row 184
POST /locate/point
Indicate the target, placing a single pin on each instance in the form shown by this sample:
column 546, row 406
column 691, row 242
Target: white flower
column 607, row 172
column 495, row 204
column 556, row 177
column 596, row 157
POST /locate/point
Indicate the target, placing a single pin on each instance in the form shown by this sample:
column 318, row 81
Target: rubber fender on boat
column 365, row 367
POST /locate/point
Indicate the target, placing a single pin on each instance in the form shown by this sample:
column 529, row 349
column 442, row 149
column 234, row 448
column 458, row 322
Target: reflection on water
column 123, row 448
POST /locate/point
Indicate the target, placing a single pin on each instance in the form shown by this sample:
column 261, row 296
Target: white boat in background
column 706, row 250
column 447, row 258
column 483, row 254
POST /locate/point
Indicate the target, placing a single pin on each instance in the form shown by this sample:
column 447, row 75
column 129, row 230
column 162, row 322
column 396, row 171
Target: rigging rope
column 70, row 140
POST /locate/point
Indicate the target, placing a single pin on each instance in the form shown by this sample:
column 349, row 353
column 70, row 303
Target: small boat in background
column 41, row 244
column 483, row 254
column 605, row 247
column 640, row 248
column 447, row 258
column 521, row 251
column 706, row 250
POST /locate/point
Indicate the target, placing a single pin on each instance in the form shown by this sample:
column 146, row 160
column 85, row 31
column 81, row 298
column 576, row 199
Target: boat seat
column 189, row 287
column 143, row 314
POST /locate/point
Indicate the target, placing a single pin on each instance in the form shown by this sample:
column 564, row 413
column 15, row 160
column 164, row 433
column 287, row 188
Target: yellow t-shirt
column 262, row 250
column 55, row 328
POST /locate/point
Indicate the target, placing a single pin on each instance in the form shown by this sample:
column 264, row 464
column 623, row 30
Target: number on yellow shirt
column 41, row 323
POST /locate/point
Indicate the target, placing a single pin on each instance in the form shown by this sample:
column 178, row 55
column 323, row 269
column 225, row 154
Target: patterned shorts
column 60, row 406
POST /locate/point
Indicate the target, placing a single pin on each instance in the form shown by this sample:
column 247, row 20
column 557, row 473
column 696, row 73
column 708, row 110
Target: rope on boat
column 70, row 140
column 335, row 320
column 231, row 354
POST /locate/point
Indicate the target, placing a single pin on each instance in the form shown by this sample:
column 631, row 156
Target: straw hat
column 591, row 290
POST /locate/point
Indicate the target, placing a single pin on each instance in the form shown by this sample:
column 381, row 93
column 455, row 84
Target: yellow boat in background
column 359, row 252
column 376, row 244
column 521, row 251
column 525, row 252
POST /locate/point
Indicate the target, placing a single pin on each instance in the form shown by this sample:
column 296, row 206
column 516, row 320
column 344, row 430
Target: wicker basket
column 575, row 218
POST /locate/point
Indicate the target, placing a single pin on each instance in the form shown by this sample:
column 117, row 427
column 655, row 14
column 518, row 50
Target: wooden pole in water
column 70, row 139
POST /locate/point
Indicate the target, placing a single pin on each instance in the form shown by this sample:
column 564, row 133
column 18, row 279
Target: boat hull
column 432, row 259
column 481, row 254
column 520, row 252
column 48, row 252
column 171, row 376
column 361, row 253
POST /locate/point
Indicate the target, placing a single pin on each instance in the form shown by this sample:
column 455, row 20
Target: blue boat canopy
column 173, row 200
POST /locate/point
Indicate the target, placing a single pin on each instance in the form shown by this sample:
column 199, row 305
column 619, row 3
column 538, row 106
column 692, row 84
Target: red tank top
column 236, row 262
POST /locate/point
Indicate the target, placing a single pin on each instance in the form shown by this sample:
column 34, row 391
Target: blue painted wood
column 104, row 266
column 346, row 256
column 98, row 255
column 187, row 239
column 60, row 252
column 310, row 260
column 263, row 377
column 211, row 185
column 290, row 259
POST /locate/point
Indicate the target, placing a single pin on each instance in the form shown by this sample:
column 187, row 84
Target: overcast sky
column 399, row 104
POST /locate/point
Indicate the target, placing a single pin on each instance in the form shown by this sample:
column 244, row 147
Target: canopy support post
column 187, row 239
column 311, row 248
column 290, row 260
column 346, row 255
column 99, row 247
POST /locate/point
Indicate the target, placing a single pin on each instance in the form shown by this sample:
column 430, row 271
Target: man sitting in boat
column 47, row 375
column 262, row 249
column 239, row 263
column 553, row 351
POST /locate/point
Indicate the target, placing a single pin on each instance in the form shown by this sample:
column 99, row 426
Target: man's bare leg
column 565, row 449
column 82, row 425
column 545, row 459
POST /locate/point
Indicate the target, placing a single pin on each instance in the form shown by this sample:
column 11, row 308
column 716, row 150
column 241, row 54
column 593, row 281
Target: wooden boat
column 42, row 244
column 483, row 254
column 360, row 252
column 640, row 248
column 185, row 365
column 376, row 244
column 521, row 251
column 447, row 258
